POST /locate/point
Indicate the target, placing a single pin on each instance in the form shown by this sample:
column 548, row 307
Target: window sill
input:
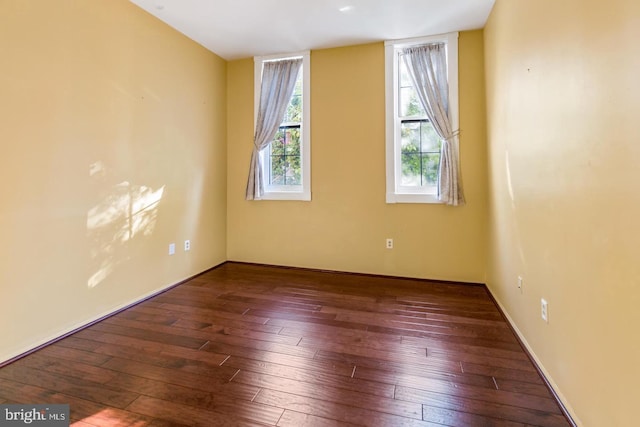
column 286, row 195
column 412, row 198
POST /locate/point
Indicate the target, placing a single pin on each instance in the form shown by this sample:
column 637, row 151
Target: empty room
column 319, row 213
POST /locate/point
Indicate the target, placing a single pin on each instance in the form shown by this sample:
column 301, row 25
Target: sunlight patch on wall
column 516, row 227
column 509, row 184
column 128, row 212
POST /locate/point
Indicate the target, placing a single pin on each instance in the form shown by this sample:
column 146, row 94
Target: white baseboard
column 573, row 418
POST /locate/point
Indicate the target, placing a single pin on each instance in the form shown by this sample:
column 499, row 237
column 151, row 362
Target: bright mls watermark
column 34, row 415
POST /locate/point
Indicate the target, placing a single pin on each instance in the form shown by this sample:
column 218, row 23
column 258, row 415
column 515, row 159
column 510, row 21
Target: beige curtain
column 427, row 67
column 278, row 83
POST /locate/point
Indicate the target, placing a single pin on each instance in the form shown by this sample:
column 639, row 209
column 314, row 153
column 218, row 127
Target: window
column 413, row 146
column 286, row 160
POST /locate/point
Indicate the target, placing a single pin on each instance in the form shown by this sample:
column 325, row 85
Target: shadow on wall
column 126, row 213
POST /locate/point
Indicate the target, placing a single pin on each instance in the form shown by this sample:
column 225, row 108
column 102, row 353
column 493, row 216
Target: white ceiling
column 243, row 28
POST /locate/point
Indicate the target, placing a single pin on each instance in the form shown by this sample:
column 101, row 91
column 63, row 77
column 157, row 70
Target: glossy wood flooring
column 256, row 345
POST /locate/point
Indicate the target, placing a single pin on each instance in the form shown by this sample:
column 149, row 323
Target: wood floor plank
column 322, row 366
column 319, row 379
column 454, row 418
column 321, row 331
column 111, row 417
column 333, row 393
column 189, row 395
column 436, row 347
column 75, row 355
column 424, row 378
column 172, row 376
column 528, row 375
column 76, row 342
column 246, row 344
column 81, row 410
column 166, row 319
column 220, row 342
column 336, row 411
column 178, row 413
column 510, row 344
column 299, row 419
column 523, row 387
column 188, row 312
column 165, row 356
column 150, row 334
column 266, row 302
column 83, row 388
column 493, row 331
column 212, row 323
column 401, row 363
column 20, row 392
column 413, row 355
column 229, row 399
column 101, row 338
column 205, row 333
column 41, row 361
column 484, row 408
column 519, row 364
column 207, row 357
column 545, row 404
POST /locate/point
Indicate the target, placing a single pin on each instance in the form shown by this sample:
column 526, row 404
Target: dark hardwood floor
column 256, row 345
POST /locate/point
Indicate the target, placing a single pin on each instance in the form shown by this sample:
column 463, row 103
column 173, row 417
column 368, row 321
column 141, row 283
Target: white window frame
column 288, row 192
column 395, row 192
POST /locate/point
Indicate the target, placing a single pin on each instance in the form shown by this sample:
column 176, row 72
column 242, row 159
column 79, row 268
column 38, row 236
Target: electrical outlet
column 544, row 310
column 187, row 245
column 520, row 282
column 172, row 248
column 389, row 244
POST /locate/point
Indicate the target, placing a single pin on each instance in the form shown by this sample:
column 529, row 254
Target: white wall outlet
column 187, row 245
column 520, row 282
column 389, row 244
column 172, row 248
column 544, row 310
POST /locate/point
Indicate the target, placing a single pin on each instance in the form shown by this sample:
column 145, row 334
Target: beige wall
column 345, row 225
column 119, row 136
column 563, row 107
column 113, row 145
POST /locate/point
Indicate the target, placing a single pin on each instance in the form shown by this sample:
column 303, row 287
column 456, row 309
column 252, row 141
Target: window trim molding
column 392, row 132
column 281, row 192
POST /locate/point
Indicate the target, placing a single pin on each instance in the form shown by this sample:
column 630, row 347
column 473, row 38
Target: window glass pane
column 405, row 78
column 420, row 153
column 294, row 170
column 410, row 136
column 278, row 169
column 429, row 138
column 292, row 141
column 277, row 146
column 411, row 174
column 294, row 110
column 430, row 164
column 284, row 152
column 410, row 105
column 410, row 153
